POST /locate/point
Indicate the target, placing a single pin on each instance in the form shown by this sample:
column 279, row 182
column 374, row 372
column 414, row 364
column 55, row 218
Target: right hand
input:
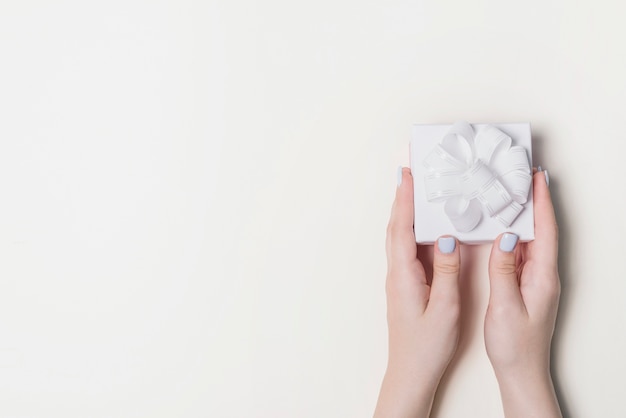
column 522, row 311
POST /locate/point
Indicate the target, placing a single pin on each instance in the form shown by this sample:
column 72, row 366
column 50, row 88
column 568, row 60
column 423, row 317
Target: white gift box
column 472, row 182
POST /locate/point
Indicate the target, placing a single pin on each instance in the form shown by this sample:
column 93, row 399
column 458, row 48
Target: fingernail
column 539, row 168
column 545, row 172
column 508, row 242
column 399, row 175
column 446, row 244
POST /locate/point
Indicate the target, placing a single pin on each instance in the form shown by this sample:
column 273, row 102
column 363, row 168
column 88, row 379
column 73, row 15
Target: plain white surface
column 194, row 197
column 432, row 221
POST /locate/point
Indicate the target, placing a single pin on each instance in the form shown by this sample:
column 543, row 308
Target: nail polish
column 399, row 175
column 545, row 172
column 508, row 242
column 446, row 244
column 539, row 168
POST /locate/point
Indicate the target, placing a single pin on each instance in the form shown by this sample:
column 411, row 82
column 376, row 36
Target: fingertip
column 545, row 219
column 446, row 244
column 404, row 175
column 541, row 181
column 404, row 191
column 507, row 242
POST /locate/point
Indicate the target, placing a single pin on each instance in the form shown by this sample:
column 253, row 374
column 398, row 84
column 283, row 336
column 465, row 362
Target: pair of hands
column 423, row 312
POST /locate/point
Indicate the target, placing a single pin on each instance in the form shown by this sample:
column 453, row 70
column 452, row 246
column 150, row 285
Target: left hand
column 422, row 315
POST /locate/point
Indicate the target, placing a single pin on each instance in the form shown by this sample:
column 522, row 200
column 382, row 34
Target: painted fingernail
column 508, row 242
column 539, row 168
column 545, row 172
column 399, row 175
column 446, row 244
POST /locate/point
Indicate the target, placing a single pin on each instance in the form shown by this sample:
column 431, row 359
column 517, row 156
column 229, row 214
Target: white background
column 194, row 195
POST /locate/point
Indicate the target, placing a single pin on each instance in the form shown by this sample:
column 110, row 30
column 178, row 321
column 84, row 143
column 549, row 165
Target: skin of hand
column 520, row 318
column 422, row 314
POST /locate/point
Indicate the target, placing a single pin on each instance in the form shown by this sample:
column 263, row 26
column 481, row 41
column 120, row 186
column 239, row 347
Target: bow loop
column 470, row 171
column 491, row 141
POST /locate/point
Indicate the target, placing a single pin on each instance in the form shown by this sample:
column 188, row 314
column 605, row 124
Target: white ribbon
column 467, row 170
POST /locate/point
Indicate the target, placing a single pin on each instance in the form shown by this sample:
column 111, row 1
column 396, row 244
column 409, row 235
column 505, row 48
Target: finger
column 444, row 292
column 544, row 249
column 401, row 245
column 503, row 279
column 406, row 281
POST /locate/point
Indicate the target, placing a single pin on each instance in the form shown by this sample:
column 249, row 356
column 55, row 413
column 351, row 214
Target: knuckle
column 447, row 267
column 504, row 268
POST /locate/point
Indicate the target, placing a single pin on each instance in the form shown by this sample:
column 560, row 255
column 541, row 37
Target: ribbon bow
column 468, row 171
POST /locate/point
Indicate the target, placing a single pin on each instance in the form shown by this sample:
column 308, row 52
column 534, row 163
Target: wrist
column 405, row 394
column 522, row 375
column 528, row 393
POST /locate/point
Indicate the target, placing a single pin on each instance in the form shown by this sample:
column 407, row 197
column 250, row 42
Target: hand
column 522, row 310
column 423, row 318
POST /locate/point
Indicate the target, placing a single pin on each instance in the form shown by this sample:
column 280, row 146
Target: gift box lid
column 430, row 219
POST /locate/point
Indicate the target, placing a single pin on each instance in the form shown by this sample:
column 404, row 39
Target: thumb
column 503, row 279
column 444, row 291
